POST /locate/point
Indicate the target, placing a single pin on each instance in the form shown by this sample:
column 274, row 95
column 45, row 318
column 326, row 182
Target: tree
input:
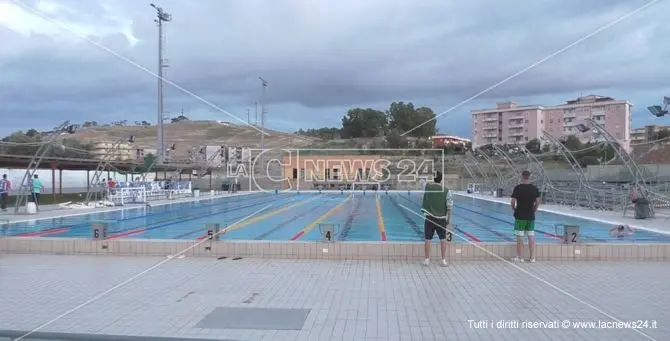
column 28, row 143
column 425, row 144
column 573, row 143
column 32, row 133
column 534, row 146
column 588, row 160
column 454, row 148
column 394, row 140
column 21, row 144
column 88, row 124
column 363, row 123
column 468, row 145
column 546, row 148
column 404, row 117
column 147, row 164
column 322, row 133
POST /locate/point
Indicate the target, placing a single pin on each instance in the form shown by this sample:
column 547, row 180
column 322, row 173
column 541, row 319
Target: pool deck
column 337, row 300
column 659, row 224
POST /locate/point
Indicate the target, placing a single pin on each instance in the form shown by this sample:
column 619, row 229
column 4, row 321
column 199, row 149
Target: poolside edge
column 334, row 251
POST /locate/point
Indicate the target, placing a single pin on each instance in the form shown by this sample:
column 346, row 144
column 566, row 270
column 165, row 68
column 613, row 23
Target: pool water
column 290, row 216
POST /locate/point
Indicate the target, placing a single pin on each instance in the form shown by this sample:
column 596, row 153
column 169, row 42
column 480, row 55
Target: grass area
column 48, row 198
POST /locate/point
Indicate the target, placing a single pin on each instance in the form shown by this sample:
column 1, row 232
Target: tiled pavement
column 349, row 300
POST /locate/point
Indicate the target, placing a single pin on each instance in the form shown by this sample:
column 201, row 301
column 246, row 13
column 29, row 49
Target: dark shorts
column 433, row 225
column 34, row 197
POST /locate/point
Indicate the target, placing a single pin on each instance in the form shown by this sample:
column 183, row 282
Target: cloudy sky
column 92, row 59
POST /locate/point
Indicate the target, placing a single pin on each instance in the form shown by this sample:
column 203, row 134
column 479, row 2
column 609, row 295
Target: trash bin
column 643, row 208
column 499, row 193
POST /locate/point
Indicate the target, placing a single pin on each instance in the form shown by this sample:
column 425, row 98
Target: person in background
column 620, row 231
column 437, row 206
column 525, row 202
column 5, row 189
column 111, row 184
column 36, row 188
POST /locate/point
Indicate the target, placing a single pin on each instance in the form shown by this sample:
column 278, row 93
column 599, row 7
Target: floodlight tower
column 264, row 84
column 161, row 17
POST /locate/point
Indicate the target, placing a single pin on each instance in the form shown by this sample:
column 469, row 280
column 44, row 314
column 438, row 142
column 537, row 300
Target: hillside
column 188, row 134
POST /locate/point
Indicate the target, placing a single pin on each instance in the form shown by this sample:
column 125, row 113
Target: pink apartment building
column 510, row 123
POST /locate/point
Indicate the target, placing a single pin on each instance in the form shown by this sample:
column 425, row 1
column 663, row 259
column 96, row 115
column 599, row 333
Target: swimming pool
column 292, row 216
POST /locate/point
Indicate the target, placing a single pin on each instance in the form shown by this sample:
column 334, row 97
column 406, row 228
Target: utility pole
column 264, row 84
column 248, row 116
column 161, row 17
column 256, row 105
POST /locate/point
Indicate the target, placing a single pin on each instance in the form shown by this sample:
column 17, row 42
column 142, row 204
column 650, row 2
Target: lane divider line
column 165, row 223
column 496, row 233
column 47, row 232
column 344, row 233
column 264, row 216
column 412, row 224
column 232, row 210
column 269, row 232
column 146, row 216
column 508, row 222
column 320, row 219
column 380, row 218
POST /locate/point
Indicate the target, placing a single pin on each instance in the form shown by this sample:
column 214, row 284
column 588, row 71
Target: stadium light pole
column 264, row 84
column 161, row 17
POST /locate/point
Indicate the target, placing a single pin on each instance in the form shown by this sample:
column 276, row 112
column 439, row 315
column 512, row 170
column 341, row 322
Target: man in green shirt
column 437, row 206
column 37, row 187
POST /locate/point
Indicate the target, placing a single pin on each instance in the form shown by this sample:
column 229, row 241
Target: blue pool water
column 292, row 216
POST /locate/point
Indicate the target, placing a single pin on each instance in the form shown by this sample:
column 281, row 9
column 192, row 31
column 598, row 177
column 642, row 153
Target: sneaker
column 444, row 263
column 532, row 260
column 426, row 262
column 517, row 259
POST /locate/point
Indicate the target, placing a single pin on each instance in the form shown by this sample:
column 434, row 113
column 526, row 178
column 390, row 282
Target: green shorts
column 524, row 227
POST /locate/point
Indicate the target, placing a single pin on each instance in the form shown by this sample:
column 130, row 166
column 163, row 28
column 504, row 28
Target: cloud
column 322, row 57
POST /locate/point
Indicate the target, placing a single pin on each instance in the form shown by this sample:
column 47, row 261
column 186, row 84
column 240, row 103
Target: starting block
column 329, row 231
